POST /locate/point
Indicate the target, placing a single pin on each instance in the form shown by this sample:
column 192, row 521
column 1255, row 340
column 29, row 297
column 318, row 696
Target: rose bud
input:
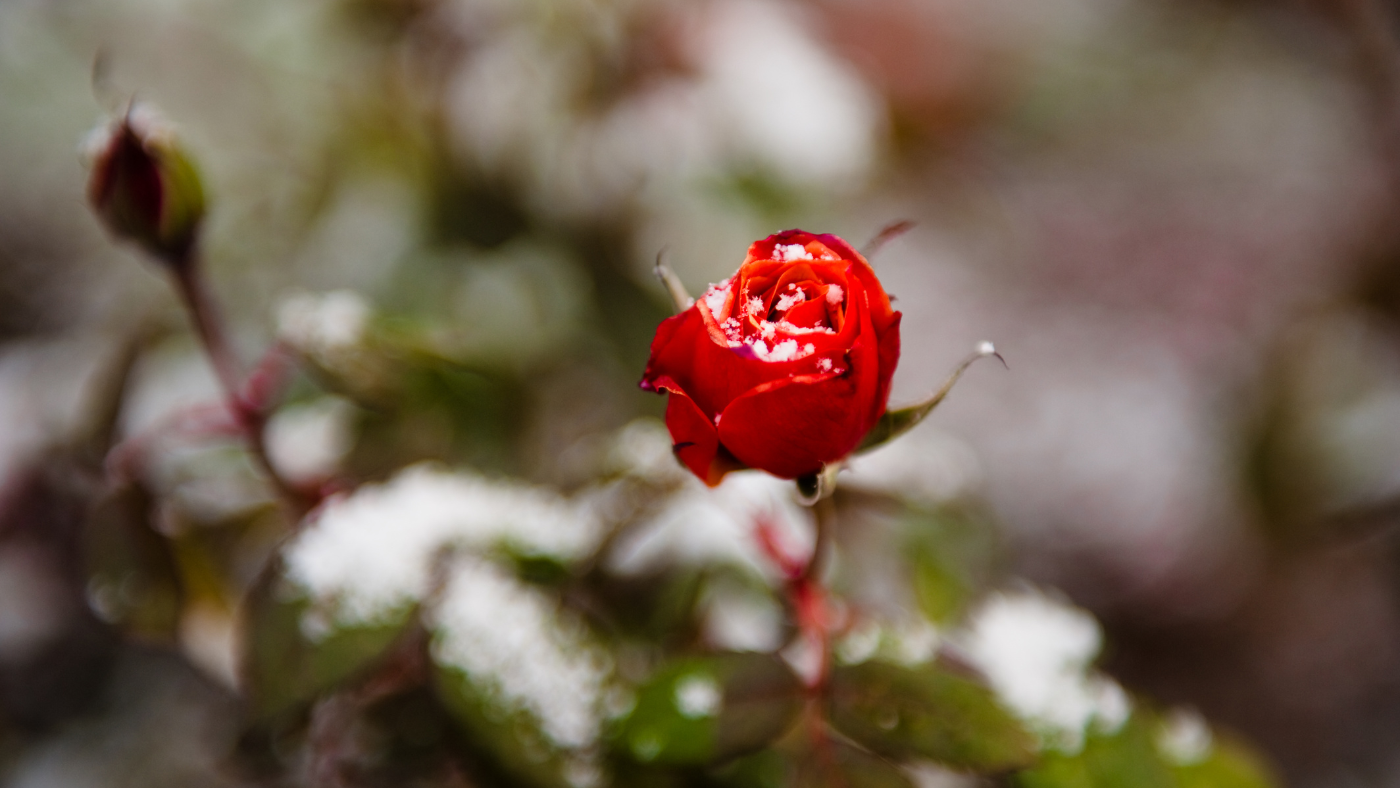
column 783, row 367
column 144, row 188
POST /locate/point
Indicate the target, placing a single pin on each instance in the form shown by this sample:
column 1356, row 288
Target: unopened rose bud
column 144, row 188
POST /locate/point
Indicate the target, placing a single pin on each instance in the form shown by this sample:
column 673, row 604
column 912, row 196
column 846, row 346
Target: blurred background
column 1178, row 221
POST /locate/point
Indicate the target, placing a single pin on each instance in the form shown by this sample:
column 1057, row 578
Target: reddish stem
column 250, row 416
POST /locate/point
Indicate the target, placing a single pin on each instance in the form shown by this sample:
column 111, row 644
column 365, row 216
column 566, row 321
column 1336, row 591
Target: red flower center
column 785, row 308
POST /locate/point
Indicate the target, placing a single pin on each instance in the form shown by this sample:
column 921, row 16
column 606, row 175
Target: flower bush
column 641, row 629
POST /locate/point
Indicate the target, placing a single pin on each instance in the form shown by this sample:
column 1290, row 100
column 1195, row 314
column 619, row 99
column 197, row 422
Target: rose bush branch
column 785, row 367
column 249, row 410
column 146, row 191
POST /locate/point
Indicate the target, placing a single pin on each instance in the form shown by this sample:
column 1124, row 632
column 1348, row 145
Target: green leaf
column 1230, row 764
column 1127, row 756
column 284, row 668
column 927, row 712
column 1132, row 755
column 510, row 736
column 800, row 762
column 835, row 764
column 950, row 553
column 707, row 709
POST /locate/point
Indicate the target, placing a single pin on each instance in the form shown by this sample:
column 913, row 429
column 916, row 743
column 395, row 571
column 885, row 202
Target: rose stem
column 809, row 598
column 824, row 512
column 251, row 417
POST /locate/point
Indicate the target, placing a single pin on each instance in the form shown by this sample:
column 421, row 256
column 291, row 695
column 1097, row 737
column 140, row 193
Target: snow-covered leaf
column 527, row 680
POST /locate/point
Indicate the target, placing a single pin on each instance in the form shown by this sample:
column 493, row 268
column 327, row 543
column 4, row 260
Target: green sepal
column 894, row 423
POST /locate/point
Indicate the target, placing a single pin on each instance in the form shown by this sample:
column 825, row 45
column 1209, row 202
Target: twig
column 251, row 417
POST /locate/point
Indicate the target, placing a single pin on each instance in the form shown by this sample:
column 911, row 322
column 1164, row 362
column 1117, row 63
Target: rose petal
column 711, row 373
column 808, row 314
column 889, row 358
column 791, row 427
column 694, row 439
column 729, row 407
column 865, row 368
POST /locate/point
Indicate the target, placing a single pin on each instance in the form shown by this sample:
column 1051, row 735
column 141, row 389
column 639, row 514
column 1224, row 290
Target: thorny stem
column 251, row 417
column 811, row 606
column 815, row 615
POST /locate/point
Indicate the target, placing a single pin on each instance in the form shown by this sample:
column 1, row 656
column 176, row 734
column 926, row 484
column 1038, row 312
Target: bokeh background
column 1178, row 221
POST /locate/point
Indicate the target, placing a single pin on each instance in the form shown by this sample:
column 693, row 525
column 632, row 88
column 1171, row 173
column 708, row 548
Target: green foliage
column 839, row 765
column 1127, row 756
column 1133, row 755
column 133, row 578
column 702, row 710
column 927, row 712
column 1230, row 764
column 950, row 552
column 510, row 738
column 285, row 669
column 811, row 758
column 436, row 408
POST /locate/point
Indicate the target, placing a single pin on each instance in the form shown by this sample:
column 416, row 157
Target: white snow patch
column 787, row 301
column 781, row 96
column 698, row 695
column 324, row 323
column 307, row 441
column 716, row 296
column 788, row 328
column 369, row 552
column 1036, row 653
column 787, row 350
column 834, row 294
column 511, row 638
column 741, row 620
column 786, row 253
column 1185, row 738
column 700, row 525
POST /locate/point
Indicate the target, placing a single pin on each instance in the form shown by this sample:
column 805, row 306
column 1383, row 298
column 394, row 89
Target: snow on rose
column 783, row 367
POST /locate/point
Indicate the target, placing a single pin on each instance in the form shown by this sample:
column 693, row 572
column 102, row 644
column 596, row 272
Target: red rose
column 784, row 366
